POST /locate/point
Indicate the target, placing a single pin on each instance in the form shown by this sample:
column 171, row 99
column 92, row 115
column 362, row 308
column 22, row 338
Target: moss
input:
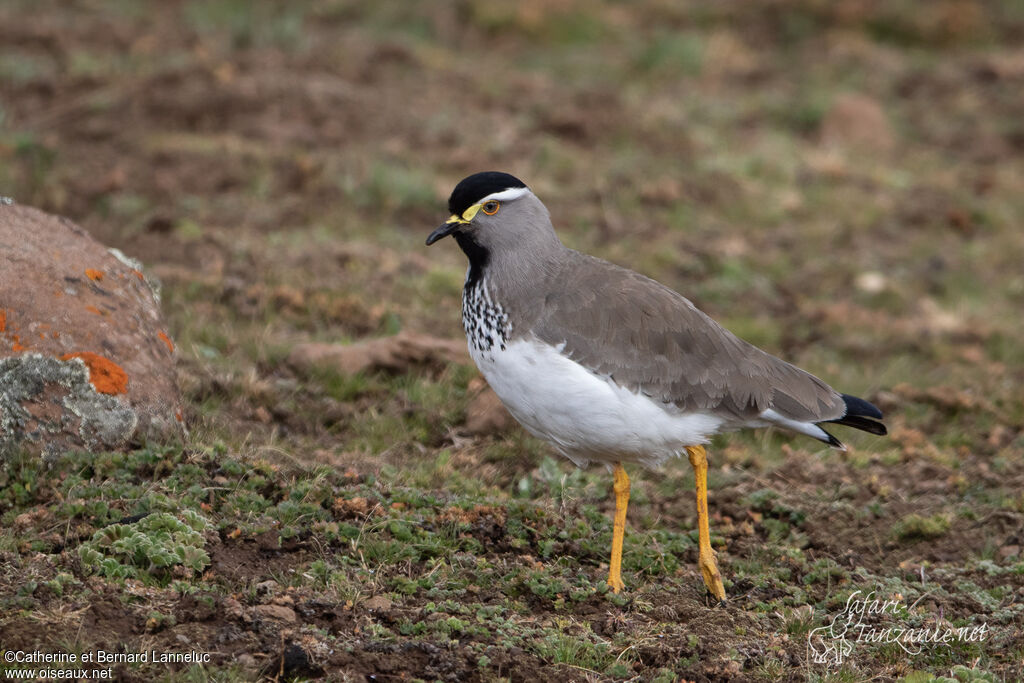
column 916, row 526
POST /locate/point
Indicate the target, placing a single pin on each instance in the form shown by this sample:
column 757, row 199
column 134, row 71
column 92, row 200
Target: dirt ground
column 840, row 183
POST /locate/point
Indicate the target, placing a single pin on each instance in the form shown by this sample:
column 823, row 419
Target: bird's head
column 494, row 212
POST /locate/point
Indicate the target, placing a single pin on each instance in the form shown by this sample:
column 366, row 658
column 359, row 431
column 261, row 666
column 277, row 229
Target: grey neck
column 517, row 263
column 518, row 285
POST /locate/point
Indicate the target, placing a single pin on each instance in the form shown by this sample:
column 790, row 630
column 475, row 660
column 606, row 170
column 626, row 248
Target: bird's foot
column 615, row 583
column 712, row 577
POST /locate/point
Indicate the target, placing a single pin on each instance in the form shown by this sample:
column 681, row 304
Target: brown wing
column 648, row 338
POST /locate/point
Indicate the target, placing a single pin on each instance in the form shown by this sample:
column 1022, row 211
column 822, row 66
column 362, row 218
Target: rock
column 871, row 282
column 378, row 602
column 857, row 121
column 233, row 608
column 85, row 358
column 486, row 414
column 278, row 612
column 393, row 354
column 246, row 661
column 1008, row 551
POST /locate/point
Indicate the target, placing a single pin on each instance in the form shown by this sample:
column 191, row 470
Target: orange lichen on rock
column 104, row 374
column 93, row 309
column 93, row 274
column 8, row 332
column 166, row 340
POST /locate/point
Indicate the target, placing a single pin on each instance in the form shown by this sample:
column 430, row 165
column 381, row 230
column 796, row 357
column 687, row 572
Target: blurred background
column 841, row 183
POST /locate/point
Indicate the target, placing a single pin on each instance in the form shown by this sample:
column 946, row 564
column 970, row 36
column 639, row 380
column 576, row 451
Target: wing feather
column 650, row 339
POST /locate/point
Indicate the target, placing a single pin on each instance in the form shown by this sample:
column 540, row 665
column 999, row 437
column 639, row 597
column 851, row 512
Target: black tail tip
column 856, row 407
column 834, row 442
column 861, row 415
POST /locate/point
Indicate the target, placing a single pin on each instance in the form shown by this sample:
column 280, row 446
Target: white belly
column 587, row 417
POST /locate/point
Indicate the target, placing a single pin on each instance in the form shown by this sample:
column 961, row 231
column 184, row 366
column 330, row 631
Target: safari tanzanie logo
column 872, row 619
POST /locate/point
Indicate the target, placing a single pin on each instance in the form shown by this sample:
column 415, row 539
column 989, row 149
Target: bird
column 610, row 366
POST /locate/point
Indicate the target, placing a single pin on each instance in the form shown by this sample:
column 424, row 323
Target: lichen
column 166, row 340
column 93, row 274
column 103, row 421
column 134, row 264
column 7, row 331
column 104, row 374
column 136, row 267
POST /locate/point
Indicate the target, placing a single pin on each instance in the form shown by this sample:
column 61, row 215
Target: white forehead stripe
column 506, row 195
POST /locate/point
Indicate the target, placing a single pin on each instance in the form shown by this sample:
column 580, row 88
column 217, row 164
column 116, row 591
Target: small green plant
column 919, row 527
column 60, row 582
column 581, row 651
column 151, row 547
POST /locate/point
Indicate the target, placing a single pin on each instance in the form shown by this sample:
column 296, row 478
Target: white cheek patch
column 506, row 195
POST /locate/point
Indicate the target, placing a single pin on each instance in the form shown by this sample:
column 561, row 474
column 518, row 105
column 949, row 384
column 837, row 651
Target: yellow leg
column 621, row 489
column 706, row 560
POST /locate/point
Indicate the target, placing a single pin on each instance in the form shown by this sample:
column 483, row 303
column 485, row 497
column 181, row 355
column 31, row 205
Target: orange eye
column 491, row 208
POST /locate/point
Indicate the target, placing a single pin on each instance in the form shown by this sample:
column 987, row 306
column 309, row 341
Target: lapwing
column 610, row 366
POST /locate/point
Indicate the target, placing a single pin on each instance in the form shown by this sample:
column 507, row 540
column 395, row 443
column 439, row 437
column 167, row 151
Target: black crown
column 473, row 188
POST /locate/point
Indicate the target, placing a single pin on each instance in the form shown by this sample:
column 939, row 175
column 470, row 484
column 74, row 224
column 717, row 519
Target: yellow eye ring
column 491, row 207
